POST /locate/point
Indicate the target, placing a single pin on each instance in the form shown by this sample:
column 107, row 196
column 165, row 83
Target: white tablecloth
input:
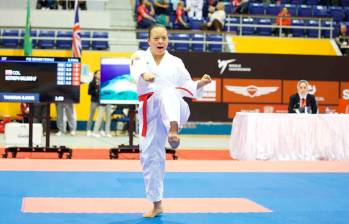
column 272, row 136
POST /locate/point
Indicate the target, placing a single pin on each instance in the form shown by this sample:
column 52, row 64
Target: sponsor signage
column 344, row 92
column 212, row 92
column 251, row 91
column 245, row 82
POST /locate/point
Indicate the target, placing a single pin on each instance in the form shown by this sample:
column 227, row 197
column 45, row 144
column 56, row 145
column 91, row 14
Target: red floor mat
column 185, row 154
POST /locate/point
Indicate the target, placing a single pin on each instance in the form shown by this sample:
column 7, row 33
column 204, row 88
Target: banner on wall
column 264, row 82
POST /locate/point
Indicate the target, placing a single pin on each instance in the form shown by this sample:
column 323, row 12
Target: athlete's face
column 158, row 41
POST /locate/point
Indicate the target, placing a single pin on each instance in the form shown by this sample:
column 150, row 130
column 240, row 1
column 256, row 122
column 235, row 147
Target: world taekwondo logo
column 251, row 90
column 232, row 67
column 222, row 64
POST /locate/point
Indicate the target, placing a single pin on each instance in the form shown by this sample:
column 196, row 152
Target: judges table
column 272, row 136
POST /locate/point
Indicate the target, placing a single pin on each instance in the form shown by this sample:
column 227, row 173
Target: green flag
column 27, row 35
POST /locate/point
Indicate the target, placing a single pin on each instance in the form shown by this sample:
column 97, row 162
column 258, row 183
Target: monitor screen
column 117, row 85
column 39, row 79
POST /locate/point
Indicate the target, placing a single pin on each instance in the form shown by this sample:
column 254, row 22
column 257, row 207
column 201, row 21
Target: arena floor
column 101, row 191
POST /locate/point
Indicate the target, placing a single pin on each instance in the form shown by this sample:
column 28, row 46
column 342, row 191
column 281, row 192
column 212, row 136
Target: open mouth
column 160, row 47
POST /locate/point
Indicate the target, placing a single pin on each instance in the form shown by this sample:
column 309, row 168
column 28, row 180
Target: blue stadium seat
column 327, row 33
column 181, row 37
column 64, row 43
column 345, row 3
column 85, row 39
column 142, row 37
column 313, row 32
column 248, row 30
column 292, row 9
column 196, row 24
column 273, row 9
column 256, row 9
column 320, row 11
column 230, row 21
column 198, row 47
column 296, row 2
column 285, row 2
column 170, row 46
column 337, row 13
column 100, row 40
column 311, row 2
column 305, row 11
column 346, row 11
column 297, row 32
column 33, row 34
column 49, row 41
column 214, row 47
column 264, row 31
column 12, row 41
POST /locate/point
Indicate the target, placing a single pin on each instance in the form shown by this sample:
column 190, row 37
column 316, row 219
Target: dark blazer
column 294, row 103
column 93, row 90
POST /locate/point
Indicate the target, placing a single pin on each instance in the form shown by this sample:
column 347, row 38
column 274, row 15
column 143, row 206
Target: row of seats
column 296, row 32
column 306, row 2
column 11, row 38
column 336, row 12
column 183, row 42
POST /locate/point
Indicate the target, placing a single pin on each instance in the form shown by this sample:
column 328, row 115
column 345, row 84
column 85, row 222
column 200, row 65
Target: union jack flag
column 77, row 47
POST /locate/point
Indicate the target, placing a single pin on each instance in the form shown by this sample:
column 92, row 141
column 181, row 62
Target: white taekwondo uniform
column 161, row 101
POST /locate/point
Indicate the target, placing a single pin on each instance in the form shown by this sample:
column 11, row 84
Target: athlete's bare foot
column 157, row 210
column 173, row 137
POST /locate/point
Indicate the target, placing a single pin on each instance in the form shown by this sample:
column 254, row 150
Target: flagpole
column 27, row 35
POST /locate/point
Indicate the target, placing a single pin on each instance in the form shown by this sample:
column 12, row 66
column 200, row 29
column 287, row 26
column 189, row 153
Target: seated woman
column 302, row 102
column 343, row 39
column 217, row 19
column 145, row 17
column 180, row 20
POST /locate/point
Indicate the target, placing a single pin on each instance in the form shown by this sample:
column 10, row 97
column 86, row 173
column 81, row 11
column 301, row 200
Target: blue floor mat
column 300, row 198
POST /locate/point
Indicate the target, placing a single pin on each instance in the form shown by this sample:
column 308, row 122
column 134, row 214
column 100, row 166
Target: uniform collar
column 152, row 58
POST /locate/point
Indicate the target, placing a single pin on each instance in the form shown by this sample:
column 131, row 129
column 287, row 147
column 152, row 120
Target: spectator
column 180, row 17
column 283, row 19
column 107, row 111
column 195, row 8
column 65, row 114
column 209, row 7
column 241, row 6
column 343, row 40
column 145, row 17
column 93, row 91
column 217, row 19
column 161, row 7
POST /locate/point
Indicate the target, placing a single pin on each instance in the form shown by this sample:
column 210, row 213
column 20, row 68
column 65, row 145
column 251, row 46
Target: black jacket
column 93, row 90
column 294, row 103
